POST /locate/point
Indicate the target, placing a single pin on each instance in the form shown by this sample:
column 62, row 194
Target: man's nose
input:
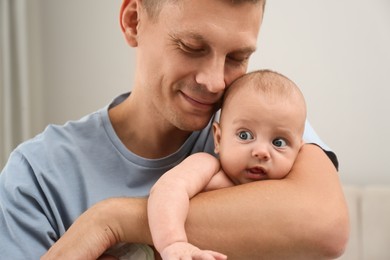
column 212, row 75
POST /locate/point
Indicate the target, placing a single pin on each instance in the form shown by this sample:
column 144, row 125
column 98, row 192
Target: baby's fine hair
column 273, row 85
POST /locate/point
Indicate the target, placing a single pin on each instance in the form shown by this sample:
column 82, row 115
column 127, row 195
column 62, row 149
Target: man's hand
column 99, row 228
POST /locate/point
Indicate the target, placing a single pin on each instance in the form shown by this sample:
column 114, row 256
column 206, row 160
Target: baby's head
column 270, row 87
column 262, row 123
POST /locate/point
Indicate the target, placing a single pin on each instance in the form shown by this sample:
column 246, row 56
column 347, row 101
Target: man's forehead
column 199, row 37
column 212, row 23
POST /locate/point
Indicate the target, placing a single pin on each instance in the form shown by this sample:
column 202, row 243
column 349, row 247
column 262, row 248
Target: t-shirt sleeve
column 27, row 230
column 311, row 137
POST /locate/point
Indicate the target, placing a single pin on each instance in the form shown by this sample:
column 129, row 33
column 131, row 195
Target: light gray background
column 338, row 52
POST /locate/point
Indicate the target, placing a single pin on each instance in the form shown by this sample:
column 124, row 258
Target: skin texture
column 185, row 60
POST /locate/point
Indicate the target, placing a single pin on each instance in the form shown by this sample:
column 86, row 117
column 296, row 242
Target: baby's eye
column 245, row 135
column 279, row 142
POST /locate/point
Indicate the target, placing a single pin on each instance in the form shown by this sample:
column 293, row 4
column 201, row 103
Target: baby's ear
column 217, row 136
column 129, row 19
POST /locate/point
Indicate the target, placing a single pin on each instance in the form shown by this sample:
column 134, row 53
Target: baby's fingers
column 209, row 255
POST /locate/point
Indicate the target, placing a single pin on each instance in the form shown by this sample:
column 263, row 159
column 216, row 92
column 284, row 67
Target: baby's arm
column 168, row 205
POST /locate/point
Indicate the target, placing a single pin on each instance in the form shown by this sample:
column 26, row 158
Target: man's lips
column 198, row 102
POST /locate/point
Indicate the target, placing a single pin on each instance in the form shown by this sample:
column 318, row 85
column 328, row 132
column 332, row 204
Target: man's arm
column 27, row 224
column 303, row 216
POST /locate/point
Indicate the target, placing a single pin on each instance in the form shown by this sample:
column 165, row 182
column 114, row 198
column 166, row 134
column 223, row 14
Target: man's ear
column 129, row 18
column 217, row 136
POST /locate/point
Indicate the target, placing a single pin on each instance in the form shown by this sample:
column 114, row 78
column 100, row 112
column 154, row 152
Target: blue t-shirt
column 53, row 178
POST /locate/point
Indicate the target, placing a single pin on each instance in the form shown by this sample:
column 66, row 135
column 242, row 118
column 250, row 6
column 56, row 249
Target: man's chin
column 195, row 124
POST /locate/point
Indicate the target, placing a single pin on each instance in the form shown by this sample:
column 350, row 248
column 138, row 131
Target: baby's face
column 257, row 138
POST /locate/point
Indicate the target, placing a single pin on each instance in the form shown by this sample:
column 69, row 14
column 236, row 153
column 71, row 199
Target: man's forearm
column 302, row 216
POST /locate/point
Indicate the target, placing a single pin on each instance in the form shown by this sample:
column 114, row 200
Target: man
column 188, row 52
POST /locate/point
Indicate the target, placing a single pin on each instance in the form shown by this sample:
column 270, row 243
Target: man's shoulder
column 70, row 132
column 61, row 143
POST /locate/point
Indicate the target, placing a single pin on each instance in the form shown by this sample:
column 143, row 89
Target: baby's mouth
column 257, row 170
column 257, row 173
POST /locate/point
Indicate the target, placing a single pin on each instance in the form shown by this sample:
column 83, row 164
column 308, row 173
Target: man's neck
column 145, row 135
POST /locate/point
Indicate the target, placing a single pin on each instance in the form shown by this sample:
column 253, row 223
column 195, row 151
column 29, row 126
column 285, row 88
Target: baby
column 258, row 138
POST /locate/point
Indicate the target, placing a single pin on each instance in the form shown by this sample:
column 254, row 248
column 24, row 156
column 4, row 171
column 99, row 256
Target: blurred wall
column 336, row 51
column 86, row 62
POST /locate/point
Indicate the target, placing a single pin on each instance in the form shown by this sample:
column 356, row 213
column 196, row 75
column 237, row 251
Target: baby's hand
column 184, row 250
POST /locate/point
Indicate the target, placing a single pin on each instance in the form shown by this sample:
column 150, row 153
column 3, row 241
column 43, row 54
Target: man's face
column 190, row 53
